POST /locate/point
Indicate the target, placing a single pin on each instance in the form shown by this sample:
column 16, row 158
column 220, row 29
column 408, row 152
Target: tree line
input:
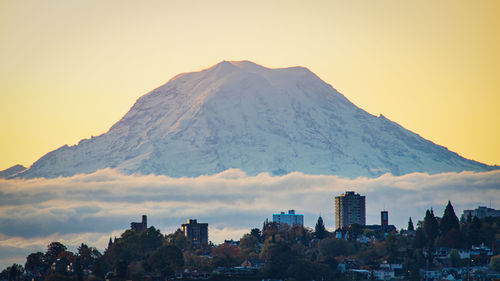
column 292, row 253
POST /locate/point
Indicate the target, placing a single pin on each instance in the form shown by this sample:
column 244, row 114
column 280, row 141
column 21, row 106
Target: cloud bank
column 91, row 208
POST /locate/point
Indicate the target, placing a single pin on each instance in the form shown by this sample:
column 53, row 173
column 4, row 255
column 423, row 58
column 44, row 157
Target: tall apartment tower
column 196, row 232
column 349, row 208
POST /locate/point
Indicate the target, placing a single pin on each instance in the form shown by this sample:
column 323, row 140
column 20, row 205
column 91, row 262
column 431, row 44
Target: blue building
column 291, row 218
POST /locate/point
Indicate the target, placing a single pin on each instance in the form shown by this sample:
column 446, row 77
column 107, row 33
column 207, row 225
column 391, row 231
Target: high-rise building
column 140, row 226
column 196, row 232
column 349, row 208
column 291, row 218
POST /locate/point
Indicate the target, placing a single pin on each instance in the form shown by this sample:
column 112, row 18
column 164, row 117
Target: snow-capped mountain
column 12, row 171
column 242, row 115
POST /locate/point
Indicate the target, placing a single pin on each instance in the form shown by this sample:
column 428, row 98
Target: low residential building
column 253, row 263
column 480, row 212
column 391, row 266
column 364, row 239
column 481, row 250
column 428, row 275
column 464, row 254
column 231, row 243
column 383, row 274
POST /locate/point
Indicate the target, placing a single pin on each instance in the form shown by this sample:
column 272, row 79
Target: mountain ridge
column 12, row 171
column 237, row 114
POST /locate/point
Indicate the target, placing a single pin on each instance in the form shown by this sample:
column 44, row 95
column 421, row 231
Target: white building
column 383, row 274
column 291, row 218
column 480, row 212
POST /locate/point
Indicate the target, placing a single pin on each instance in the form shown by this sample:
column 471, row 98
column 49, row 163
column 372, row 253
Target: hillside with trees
column 275, row 251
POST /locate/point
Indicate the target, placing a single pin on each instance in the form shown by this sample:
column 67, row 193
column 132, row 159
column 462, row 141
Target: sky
column 71, row 69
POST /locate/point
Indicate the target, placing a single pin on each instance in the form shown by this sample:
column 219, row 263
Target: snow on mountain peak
column 237, row 114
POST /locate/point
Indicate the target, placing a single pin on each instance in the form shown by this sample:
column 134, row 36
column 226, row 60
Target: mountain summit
column 242, row 115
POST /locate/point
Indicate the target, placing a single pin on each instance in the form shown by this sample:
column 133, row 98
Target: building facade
column 196, row 232
column 384, row 219
column 349, row 208
column 480, row 212
column 140, row 226
column 291, row 218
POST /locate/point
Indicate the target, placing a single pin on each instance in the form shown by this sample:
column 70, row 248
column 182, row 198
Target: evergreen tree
column 256, row 233
column 319, row 230
column 469, row 217
column 419, row 241
column 265, row 225
column 431, row 227
column 474, row 232
column 410, row 225
column 449, row 220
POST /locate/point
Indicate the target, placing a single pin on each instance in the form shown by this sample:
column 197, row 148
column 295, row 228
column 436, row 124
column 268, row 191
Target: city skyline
column 102, row 204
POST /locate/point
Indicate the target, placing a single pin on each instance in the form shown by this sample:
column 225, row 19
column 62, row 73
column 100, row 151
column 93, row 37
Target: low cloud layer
column 91, row 208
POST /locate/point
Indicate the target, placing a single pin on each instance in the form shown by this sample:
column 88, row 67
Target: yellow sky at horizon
column 71, row 69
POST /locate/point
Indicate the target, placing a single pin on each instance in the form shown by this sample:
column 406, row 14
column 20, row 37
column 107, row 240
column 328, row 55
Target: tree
column 354, row 231
column 35, row 263
column 88, row 255
column 304, row 270
column 77, row 266
column 332, row 247
column 474, row 232
column 417, row 262
column 226, row 256
column 391, row 246
column 249, row 244
column 13, row 273
column 419, row 241
column 449, row 220
column 120, row 270
column 179, row 239
column 166, row 260
column 99, row 268
column 320, row 230
column 256, row 233
column 54, row 249
column 410, row 225
column 495, row 263
column 453, row 238
column 278, row 259
column 150, row 240
column 431, row 227
column 454, row 258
